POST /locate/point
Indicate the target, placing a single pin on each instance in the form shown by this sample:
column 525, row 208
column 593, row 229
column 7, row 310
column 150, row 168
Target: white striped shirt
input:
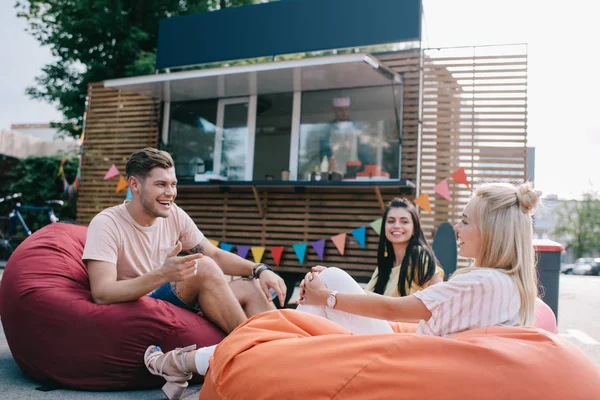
column 480, row 298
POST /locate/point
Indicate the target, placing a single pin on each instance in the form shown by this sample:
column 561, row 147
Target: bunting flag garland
column 214, row 242
column 376, row 226
column 443, row 190
column 276, row 252
column 112, row 172
column 340, row 242
column 257, row 253
column 226, row 246
column 70, row 189
column 319, row 246
column 359, row 234
column 129, row 194
column 300, row 250
column 460, row 176
column 122, row 185
column 423, row 202
column 243, row 251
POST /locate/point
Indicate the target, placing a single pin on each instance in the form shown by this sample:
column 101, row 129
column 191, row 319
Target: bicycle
column 15, row 216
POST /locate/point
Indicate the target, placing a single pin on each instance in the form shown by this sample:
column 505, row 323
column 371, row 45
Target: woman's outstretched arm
column 374, row 306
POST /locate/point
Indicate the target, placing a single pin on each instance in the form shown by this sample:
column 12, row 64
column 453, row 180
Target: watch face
column 331, row 300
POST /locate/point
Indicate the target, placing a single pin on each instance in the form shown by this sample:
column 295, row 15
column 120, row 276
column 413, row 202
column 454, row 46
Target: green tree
column 95, row 40
column 579, row 221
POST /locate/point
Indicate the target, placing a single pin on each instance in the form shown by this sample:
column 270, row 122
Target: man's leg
column 250, row 296
column 213, row 294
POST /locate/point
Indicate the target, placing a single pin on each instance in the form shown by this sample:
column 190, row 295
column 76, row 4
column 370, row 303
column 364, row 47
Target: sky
column 563, row 72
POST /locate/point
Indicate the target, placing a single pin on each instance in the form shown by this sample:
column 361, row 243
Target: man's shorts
column 166, row 292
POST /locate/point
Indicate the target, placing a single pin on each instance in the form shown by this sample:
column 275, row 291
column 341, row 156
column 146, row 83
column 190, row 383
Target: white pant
column 337, row 279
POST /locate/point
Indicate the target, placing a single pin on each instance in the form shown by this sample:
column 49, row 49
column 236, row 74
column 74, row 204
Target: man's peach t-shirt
column 115, row 237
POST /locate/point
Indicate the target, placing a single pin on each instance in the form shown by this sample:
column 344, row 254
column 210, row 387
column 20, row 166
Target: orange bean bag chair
column 293, row 355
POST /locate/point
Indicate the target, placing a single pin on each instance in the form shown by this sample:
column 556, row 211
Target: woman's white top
column 476, row 299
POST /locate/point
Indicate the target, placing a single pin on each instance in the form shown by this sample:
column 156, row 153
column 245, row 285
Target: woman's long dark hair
column 418, row 254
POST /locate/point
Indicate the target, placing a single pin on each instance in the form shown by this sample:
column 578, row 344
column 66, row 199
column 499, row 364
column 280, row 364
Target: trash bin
column 548, row 266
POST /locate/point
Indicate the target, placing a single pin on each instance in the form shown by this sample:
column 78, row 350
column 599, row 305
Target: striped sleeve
column 468, row 301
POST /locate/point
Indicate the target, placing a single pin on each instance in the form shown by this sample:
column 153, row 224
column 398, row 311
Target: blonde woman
column 498, row 289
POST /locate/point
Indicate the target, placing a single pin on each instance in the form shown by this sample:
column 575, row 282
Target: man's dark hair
column 142, row 161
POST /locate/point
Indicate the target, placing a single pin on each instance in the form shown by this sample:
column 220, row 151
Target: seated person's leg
column 209, row 289
column 337, row 279
column 251, row 297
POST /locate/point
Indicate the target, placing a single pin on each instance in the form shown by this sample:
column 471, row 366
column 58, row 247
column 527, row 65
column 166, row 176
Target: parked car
column 579, row 267
column 584, row 266
column 595, row 267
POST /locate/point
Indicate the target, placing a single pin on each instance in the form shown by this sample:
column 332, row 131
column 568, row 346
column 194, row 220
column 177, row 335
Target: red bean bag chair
column 58, row 336
column 293, row 355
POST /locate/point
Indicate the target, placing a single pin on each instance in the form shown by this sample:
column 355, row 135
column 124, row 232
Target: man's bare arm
column 107, row 290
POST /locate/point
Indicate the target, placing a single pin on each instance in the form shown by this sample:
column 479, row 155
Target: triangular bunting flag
column 243, row 250
column 300, row 250
column 276, row 252
column 122, row 185
column 376, row 225
column 359, row 234
column 319, row 246
column 443, row 190
column 460, row 176
column 61, row 170
column 226, row 246
column 112, row 172
column 257, row 253
column 423, row 202
column 340, row 242
column 129, row 194
column 214, row 242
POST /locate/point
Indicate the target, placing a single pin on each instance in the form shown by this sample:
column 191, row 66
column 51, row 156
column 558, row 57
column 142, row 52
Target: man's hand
column 177, row 269
column 270, row 280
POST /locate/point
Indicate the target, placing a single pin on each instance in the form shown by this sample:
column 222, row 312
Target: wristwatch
column 331, row 299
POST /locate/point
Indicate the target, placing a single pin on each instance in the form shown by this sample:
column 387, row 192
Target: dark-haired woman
column 406, row 264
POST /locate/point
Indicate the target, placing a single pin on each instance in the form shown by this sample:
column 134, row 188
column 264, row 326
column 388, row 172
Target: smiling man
column 133, row 250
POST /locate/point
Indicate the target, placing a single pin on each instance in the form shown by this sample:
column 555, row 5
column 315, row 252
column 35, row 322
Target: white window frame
column 251, row 124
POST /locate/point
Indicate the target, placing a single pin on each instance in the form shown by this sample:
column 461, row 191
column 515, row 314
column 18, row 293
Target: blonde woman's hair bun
column 528, row 197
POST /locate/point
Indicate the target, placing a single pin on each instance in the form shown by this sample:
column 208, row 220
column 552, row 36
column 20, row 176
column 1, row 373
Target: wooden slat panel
column 290, row 218
column 116, row 124
column 464, row 95
column 407, row 65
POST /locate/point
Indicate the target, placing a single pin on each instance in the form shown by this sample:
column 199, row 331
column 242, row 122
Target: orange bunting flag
column 122, row 185
column 257, row 253
column 423, row 202
column 443, row 190
column 276, row 252
column 460, row 176
column 340, row 242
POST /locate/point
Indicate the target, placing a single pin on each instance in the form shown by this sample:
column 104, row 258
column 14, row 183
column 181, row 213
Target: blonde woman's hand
column 318, row 268
column 308, row 274
column 314, row 290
